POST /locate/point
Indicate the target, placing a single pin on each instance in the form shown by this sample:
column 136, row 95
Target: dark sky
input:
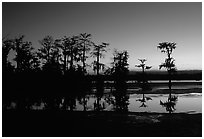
column 135, row 27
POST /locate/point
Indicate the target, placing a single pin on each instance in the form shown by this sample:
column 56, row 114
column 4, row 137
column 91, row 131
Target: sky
column 136, row 27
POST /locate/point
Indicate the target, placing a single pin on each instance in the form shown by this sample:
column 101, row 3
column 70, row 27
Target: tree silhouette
column 97, row 52
column 70, row 50
column 63, row 44
column 120, row 69
column 35, row 62
column 46, row 50
column 168, row 47
column 144, row 81
column 49, row 54
column 143, row 66
column 23, row 52
column 85, row 43
column 74, row 51
column 54, row 60
column 24, row 57
column 7, row 73
column 119, row 73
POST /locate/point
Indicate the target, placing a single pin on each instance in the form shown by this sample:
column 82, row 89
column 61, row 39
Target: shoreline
column 155, row 91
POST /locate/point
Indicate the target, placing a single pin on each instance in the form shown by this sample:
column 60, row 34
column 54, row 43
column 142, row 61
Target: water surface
column 189, row 103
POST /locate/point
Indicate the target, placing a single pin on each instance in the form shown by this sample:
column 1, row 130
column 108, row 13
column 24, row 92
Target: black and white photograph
column 101, row 69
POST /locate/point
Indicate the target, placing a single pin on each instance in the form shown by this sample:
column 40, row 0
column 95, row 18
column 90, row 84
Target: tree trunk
column 143, row 78
column 143, row 97
column 71, row 62
column 170, row 84
column 169, row 72
column 98, row 104
column 83, row 60
column 48, row 56
column 84, row 102
column 65, row 65
column 98, row 62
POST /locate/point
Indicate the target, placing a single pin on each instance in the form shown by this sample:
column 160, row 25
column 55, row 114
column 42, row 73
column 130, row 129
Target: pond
column 184, row 103
column 188, row 96
column 188, row 103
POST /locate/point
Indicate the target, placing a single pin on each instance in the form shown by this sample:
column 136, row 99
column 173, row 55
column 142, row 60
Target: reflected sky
column 185, row 103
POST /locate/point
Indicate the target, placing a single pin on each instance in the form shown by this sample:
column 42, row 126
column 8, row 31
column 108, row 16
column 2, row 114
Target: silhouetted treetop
column 98, row 52
column 121, row 60
column 167, row 47
column 86, row 44
column 143, row 64
column 47, row 47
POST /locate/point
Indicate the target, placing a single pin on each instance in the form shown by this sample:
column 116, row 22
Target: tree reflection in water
column 143, row 100
column 170, row 103
column 121, row 101
column 98, row 104
column 83, row 101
